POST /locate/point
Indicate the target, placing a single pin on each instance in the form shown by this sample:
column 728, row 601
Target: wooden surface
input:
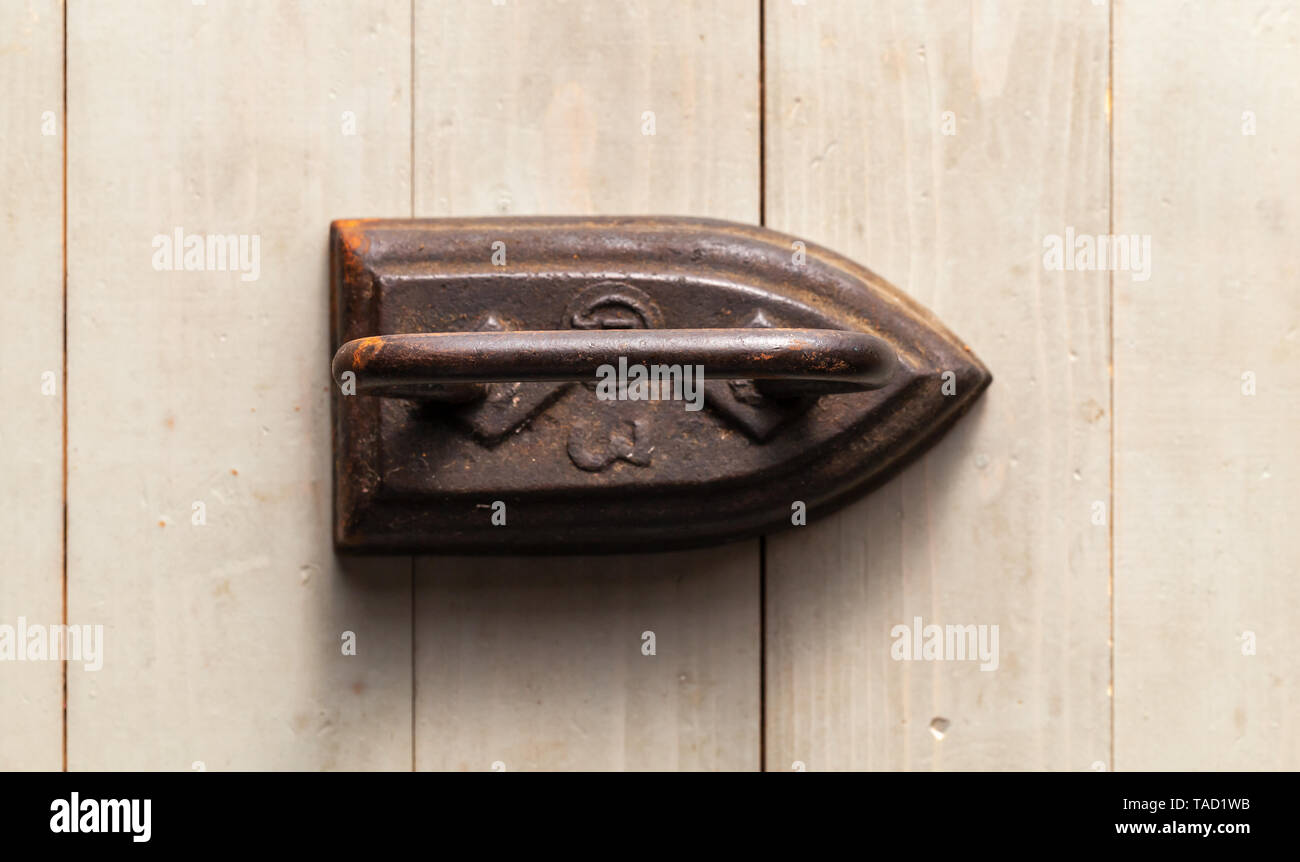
column 1206, row 546
column 223, row 642
column 1130, row 564
column 31, row 385
column 991, row 527
column 537, row 664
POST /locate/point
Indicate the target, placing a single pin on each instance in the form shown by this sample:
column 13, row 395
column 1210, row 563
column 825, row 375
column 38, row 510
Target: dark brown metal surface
column 405, row 365
column 463, row 347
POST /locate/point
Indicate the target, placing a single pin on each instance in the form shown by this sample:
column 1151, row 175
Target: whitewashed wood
column 993, row 525
column 1206, row 546
column 532, row 108
column 224, row 641
column 538, row 664
column 31, row 385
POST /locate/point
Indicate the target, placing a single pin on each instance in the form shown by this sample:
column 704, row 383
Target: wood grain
column 31, row 387
column 224, row 641
column 541, row 108
column 993, row 526
column 1206, row 551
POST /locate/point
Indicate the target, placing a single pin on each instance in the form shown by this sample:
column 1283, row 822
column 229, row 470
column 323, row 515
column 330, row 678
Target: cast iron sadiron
column 469, row 417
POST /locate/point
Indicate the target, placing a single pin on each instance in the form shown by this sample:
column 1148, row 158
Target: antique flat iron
column 600, row 385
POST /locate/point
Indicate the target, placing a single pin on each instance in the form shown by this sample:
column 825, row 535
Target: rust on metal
column 391, row 364
column 468, row 417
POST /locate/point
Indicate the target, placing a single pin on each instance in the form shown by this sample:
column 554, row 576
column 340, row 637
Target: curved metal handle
column 449, row 365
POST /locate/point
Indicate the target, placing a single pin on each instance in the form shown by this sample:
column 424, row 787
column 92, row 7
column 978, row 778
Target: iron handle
column 450, row 366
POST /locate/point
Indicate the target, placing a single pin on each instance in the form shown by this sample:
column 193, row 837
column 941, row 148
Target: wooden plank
column 540, row 108
column 993, row 526
column 1207, row 127
column 31, row 388
column 224, row 641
